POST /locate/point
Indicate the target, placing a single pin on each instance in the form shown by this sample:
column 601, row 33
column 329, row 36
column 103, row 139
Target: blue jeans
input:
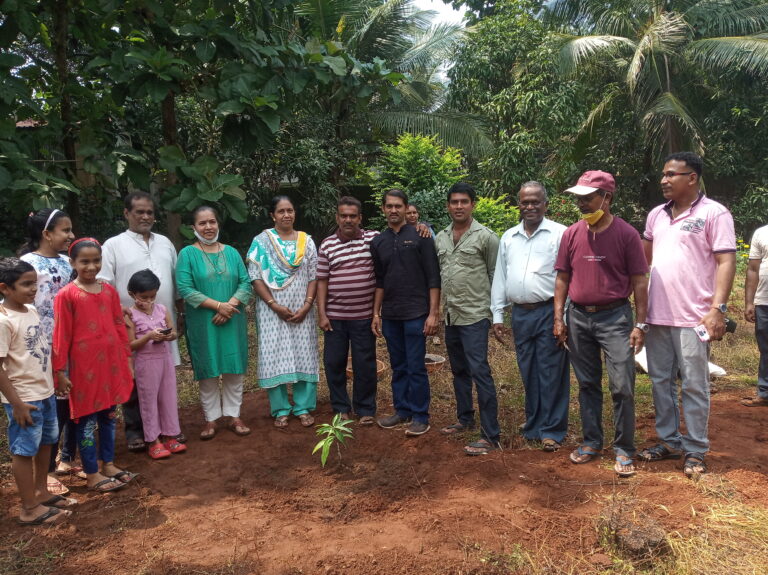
column 468, row 353
column 358, row 334
column 761, row 335
column 26, row 441
column 410, row 384
column 589, row 334
column 86, row 427
column 544, row 370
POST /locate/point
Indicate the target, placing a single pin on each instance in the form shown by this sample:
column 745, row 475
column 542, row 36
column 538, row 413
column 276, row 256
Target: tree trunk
column 173, row 220
column 60, row 39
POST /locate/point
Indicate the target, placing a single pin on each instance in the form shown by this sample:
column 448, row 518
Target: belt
column 604, row 307
column 536, row 305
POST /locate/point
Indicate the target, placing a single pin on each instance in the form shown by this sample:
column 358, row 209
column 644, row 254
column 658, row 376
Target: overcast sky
column 446, row 12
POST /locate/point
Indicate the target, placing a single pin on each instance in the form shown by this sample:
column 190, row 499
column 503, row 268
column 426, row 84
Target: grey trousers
column 670, row 349
column 589, row 334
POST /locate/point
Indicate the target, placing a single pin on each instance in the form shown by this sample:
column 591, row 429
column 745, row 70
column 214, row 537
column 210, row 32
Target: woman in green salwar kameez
column 212, row 279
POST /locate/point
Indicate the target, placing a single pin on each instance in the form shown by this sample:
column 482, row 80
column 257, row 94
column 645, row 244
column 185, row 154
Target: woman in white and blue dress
column 282, row 264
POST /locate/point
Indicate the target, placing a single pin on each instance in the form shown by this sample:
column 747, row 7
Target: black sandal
column 694, row 465
column 657, row 453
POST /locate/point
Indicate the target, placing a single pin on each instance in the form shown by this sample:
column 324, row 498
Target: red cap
column 592, row 181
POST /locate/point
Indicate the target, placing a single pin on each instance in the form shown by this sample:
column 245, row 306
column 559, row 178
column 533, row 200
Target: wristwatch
column 644, row 327
column 721, row 307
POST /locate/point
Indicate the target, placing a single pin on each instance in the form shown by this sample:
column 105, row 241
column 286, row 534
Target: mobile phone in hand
column 166, row 331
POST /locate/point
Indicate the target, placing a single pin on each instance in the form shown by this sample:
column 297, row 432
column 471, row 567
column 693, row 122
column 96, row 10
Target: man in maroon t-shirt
column 600, row 262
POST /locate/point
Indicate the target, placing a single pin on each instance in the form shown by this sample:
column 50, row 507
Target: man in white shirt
column 756, row 310
column 136, row 249
column 525, row 278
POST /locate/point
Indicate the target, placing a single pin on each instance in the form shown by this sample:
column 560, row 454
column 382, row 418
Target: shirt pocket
column 468, row 256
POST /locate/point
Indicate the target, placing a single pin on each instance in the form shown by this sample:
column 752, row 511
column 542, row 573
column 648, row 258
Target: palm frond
column 585, row 136
column 578, row 50
column 383, row 31
column 668, row 124
column 433, row 47
column 457, row 129
column 728, row 17
column 748, row 54
column 664, row 36
column 323, row 16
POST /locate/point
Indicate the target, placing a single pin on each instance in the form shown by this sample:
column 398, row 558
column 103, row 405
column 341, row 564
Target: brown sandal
column 237, row 427
column 306, row 419
column 281, row 422
column 209, row 431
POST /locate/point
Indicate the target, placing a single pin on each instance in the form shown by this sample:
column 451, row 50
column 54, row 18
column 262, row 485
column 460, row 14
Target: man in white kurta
column 136, row 249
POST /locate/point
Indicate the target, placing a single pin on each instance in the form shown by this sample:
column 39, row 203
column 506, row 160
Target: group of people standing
column 110, row 315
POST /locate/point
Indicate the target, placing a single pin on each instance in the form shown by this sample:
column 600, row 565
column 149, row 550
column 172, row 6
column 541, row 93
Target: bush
column 424, row 169
column 562, row 209
column 496, row 214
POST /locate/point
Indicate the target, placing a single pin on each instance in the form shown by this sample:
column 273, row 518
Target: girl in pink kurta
column 91, row 354
column 150, row 328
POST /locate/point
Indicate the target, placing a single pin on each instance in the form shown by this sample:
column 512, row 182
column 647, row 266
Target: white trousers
column 224, row 401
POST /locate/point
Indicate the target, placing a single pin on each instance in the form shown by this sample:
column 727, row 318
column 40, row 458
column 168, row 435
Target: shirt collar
column 473, row 227
column 546, row 224
column 138, row 236
column 343, row 240
column 670, row 203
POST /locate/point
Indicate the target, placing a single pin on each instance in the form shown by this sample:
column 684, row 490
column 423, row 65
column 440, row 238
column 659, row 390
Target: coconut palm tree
column 403, row 39
column 655, row 57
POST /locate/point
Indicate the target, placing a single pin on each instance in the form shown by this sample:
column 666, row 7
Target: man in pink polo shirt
column 691, row 245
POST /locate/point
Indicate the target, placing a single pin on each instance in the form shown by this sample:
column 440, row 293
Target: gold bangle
column 270, row 302
column 309, row 297
column 218, row 305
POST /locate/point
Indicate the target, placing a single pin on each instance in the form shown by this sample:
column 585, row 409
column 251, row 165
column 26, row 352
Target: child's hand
column 22, row 413
column 63, row 386
column 156, row 335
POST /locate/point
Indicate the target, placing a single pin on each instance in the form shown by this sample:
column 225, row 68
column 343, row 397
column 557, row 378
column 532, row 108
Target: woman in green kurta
column 212, row 279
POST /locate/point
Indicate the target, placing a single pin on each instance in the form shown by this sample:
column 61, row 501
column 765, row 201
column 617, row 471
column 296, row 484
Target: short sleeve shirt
column 758, row 250
column 27, row 353
column 601, row 264
column 682, row 280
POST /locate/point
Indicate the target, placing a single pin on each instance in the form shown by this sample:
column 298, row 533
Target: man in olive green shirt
column 467, row 253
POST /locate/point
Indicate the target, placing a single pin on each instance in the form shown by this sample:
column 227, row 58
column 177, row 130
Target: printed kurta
column 287, row 351
column 91, row 342
column 214, row 349
column 52, row 275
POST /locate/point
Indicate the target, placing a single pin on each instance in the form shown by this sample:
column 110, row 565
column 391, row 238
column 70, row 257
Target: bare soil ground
column 262, row 504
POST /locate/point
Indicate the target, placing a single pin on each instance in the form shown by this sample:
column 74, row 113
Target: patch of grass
column 22, row 556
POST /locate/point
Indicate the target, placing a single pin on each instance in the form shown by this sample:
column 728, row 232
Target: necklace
column 216, row 261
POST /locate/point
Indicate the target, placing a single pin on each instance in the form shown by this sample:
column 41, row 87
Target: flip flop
column 366, row 420
column 72, row 470
column 60, row 502
column 43, row 519
column 581, row 455
column 624, row 466
column 281, row 422
column 124, row 476
column 56, row 487
column 455, row 428
column 101, row 486
column 481, row 447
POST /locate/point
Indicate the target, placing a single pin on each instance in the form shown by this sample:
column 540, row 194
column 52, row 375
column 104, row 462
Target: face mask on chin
column 593, row 217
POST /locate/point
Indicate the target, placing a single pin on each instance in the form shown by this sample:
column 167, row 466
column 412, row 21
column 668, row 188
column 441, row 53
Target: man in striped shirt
column 345, row 288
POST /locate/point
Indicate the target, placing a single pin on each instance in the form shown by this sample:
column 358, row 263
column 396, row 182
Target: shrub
column 496, row 214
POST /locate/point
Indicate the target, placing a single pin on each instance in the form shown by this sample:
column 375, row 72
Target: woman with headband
column 49, row 233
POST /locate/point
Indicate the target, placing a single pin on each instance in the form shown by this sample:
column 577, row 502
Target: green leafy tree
column 424, row 169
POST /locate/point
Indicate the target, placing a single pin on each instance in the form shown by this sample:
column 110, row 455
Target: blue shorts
column 26, row 441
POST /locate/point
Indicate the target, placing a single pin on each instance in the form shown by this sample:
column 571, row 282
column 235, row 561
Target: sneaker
column 391, row 421
column 417, row 428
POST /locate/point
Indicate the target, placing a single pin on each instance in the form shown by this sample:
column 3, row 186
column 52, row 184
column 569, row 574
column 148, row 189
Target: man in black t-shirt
column 405, row 310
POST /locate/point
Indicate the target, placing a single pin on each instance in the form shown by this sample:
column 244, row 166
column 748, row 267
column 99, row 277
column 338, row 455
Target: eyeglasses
column 589, row 198
column 671, row 174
